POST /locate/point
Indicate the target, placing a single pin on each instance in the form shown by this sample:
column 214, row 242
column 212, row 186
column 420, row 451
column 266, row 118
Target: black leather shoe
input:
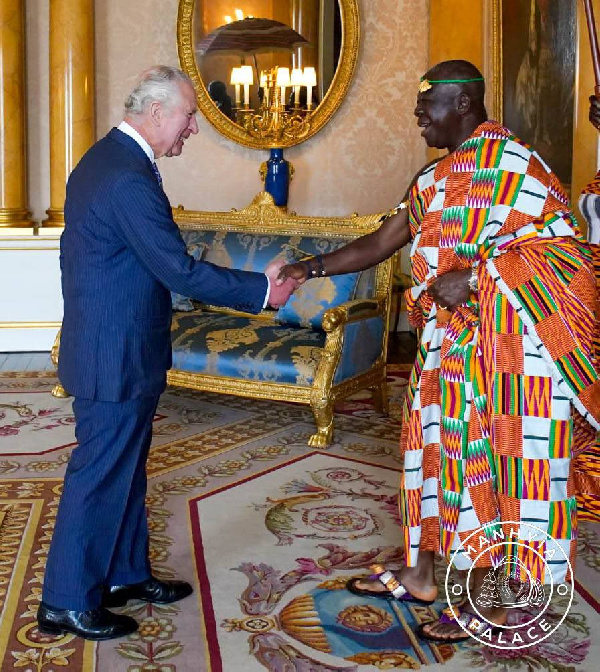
column 151, row 590
column 94, row 624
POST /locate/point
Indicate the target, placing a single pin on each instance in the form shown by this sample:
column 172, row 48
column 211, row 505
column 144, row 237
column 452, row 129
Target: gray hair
column 159, row 83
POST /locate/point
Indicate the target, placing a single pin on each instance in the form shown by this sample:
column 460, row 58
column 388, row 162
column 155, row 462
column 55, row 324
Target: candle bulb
column 297, row 81
column 247, row 78
column 283, row 80
column 236, row 81
column 310, row 80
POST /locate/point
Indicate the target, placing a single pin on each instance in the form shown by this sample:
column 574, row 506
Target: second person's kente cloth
column 586, row 467
column 488, row 419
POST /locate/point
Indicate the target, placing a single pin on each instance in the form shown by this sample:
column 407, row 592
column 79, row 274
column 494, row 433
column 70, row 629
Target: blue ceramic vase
column 277, row 179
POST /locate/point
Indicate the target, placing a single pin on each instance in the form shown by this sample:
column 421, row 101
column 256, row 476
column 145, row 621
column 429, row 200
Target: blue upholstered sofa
column 330, row 339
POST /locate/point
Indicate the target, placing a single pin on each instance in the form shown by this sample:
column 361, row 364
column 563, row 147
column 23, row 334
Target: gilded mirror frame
column 322, row 114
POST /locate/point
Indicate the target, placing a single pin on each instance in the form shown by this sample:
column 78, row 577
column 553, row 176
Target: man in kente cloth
column 504, row 297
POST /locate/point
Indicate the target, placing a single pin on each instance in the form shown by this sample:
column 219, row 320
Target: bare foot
column 409, row 578
column 453, row 632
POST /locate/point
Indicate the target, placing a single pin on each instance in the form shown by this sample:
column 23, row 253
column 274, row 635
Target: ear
column 156, row 112
column 464, row 103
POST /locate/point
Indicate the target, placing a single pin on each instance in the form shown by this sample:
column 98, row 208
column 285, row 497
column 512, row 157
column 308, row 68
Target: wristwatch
column 394, row 211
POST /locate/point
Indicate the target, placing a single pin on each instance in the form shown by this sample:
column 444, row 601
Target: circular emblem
column 386, row 660
column 337, row 476
column 31, row 636
column 257, row 624
column 251, row 624
column 365, row 618
column 337, row 518
column 527, row 569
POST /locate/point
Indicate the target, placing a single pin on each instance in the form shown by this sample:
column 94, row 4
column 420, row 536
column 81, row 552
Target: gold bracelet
column 395, row 211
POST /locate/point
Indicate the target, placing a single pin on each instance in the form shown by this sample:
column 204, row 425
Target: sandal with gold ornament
column 474, row 624
column 395, row 590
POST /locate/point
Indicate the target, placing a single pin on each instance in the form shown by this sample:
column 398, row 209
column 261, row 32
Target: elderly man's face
column 437, row 115
column 179, row 122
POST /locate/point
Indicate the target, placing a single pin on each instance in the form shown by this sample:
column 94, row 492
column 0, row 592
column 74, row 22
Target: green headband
column 427, row 84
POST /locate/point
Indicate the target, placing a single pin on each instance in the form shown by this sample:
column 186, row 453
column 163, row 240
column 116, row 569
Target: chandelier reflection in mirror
column 275, row 119
column 275, row 100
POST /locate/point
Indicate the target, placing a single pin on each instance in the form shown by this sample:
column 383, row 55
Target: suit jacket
column 121, row 253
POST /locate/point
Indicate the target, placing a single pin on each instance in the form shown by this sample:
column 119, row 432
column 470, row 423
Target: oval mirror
column 268, row 73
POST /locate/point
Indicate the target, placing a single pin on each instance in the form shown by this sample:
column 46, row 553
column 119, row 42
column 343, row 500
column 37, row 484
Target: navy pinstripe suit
column 121, row 253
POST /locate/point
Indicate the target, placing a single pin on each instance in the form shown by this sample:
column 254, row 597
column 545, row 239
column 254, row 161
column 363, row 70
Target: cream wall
column 361, row 161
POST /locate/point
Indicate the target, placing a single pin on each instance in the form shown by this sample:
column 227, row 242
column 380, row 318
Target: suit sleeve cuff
column 266, row 301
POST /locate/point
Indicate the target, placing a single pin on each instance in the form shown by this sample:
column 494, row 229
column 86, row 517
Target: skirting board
column 30, row 294
column 27, row 338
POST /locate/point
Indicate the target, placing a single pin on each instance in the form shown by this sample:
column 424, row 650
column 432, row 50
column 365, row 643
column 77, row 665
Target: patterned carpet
column 266, row 529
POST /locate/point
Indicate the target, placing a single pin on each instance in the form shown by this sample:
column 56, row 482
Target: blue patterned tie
column 157, row 173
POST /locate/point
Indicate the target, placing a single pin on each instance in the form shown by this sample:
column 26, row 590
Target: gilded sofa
column 269, row 356
column 317, row 349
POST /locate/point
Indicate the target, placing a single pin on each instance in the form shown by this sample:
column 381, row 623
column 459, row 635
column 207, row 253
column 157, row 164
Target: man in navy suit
column 121, row 253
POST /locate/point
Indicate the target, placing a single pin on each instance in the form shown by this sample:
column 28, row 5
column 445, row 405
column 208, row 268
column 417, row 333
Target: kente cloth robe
column 499, row 388
column 586, row 467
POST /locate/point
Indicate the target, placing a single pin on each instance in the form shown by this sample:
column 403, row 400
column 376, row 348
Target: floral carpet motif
column 267, row 530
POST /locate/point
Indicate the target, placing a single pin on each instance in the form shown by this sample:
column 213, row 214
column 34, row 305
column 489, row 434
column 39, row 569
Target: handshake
column 285, row 280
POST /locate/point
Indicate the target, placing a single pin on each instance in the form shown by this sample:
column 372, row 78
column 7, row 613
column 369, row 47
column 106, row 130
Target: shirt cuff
column 268, row 291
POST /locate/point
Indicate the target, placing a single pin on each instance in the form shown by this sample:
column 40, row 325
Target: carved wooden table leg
column 380, row 398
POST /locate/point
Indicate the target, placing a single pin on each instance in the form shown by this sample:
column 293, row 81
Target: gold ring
column 442, row 307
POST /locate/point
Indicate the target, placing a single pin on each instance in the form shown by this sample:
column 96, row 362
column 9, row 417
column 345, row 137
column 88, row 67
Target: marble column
column 13, row 140
column 72, row 114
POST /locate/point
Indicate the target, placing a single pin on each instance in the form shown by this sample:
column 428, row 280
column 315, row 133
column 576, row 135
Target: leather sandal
column 470, row 621
column 395, row 590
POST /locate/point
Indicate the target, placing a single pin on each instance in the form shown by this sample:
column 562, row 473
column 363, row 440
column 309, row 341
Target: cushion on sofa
column 245, row 348
column 178, row 301
column 363, row 343
column 367, row 284
column 254, row 251
column 307, row 304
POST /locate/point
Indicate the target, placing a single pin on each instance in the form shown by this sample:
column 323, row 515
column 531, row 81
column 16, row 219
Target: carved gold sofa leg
column 380, row 398
column 59, row 392
column 324, row 418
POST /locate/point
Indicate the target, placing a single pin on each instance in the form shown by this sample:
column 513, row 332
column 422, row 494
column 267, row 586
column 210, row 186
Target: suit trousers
column 101, row 532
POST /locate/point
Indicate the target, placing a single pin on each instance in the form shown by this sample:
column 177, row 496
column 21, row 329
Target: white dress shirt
column 124, row 127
